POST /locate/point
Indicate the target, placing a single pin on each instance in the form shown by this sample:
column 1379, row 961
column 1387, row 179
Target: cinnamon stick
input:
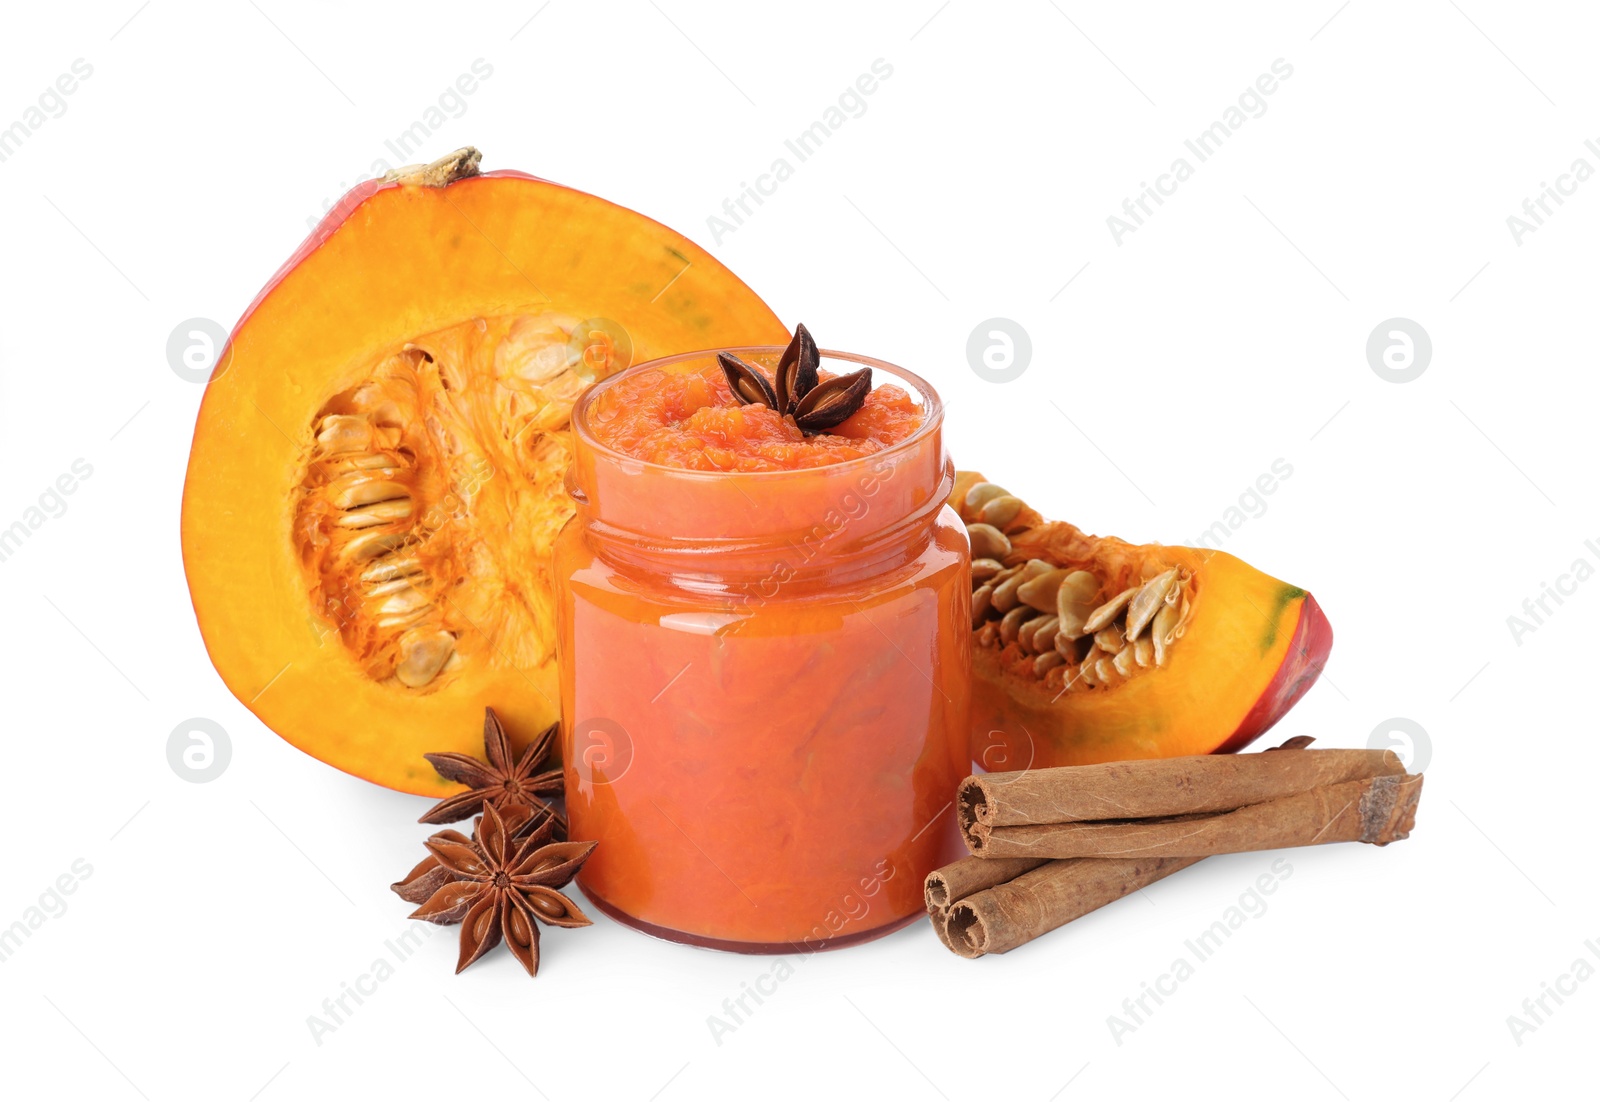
column 962, row 878
column 1158, row 787
column 1000, row 918
column 1377, row 810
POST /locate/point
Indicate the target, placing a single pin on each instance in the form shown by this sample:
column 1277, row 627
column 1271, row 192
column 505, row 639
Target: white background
column 1228, row 332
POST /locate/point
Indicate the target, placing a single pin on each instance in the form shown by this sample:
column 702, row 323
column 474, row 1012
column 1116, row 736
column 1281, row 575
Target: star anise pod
column 428, row 876
column 502, row 782
column 797, row 370
column 502, row 888
column 797, row 393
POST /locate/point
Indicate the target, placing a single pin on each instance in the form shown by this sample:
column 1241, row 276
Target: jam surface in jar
column 685, row 416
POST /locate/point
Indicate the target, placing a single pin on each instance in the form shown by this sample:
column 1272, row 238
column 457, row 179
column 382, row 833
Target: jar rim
column 932, row 417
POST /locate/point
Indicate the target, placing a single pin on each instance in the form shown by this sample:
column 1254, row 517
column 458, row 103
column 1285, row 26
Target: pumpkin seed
column 1088, row 677
column 1161, row 634
column 1006, row 593
column 1075, row 600
column 390, row 566
column 985, row 569
column 988, row 542
column 1150, row 598
column 379, row 513
column 1025, row 632
column 423, row 654
column 1040, row 591
column 403, row 601
column 1046, row 662
column 343, row 433
column 980, row 603
column 1103, row 615
column 1000, row 511
column 401, row 621
column 1042, row 636
column 980, row 494
column 1183, row 618
column 362, row 461
column 361, row 488
column 371, row 544
column 1011, row 623
column 384, row 589
column 1109, row 639
column 1122, row 661
column 1068, row 647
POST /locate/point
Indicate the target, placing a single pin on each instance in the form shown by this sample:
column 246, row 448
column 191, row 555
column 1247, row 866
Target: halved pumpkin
column 377, row 468
column 1089, row 649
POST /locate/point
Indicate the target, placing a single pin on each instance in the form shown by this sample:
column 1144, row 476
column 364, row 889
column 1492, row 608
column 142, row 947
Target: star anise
column 428, row 876
column 501, row 889
column 796, row 391
column 502, row 783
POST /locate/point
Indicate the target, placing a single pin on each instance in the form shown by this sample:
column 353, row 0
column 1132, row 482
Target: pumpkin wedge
column 1089, row 649
column 377, row 468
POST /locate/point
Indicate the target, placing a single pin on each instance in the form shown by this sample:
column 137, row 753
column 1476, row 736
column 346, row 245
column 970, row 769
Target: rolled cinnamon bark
column 1161, row 786
column 1377, row 810
column 962, row 878
column 1000, row 918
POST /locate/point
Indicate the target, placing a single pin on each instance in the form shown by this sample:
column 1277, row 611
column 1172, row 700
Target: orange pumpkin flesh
column 1239, row 649
column 375, row 478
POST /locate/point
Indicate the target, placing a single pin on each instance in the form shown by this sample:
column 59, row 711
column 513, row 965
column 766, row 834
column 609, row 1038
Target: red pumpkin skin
column 1308, row 653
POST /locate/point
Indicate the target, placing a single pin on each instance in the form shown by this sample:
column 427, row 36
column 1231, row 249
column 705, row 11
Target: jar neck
column 750, row 534
column 868, row 532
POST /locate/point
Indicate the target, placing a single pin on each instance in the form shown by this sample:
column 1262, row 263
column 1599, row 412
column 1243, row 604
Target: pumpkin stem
column 441, row 173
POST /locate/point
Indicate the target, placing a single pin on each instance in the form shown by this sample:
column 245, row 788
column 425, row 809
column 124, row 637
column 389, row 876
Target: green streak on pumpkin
column 1285, row 595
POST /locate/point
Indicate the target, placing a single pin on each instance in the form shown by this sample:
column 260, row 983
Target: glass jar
column 764, row 683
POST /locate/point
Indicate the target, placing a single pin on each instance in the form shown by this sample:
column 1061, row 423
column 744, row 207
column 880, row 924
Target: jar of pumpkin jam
column 764, row 655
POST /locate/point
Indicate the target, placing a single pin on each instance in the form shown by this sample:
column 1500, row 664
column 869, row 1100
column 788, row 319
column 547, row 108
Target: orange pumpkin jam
column 685, row 416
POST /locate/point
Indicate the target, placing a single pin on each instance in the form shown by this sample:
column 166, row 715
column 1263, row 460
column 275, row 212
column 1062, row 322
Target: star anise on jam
column 504, row 782
column 500, row 887
column 796, row 391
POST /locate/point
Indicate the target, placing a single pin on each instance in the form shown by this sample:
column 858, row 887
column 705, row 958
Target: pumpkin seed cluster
column 1066, row 623
column 430, row 486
